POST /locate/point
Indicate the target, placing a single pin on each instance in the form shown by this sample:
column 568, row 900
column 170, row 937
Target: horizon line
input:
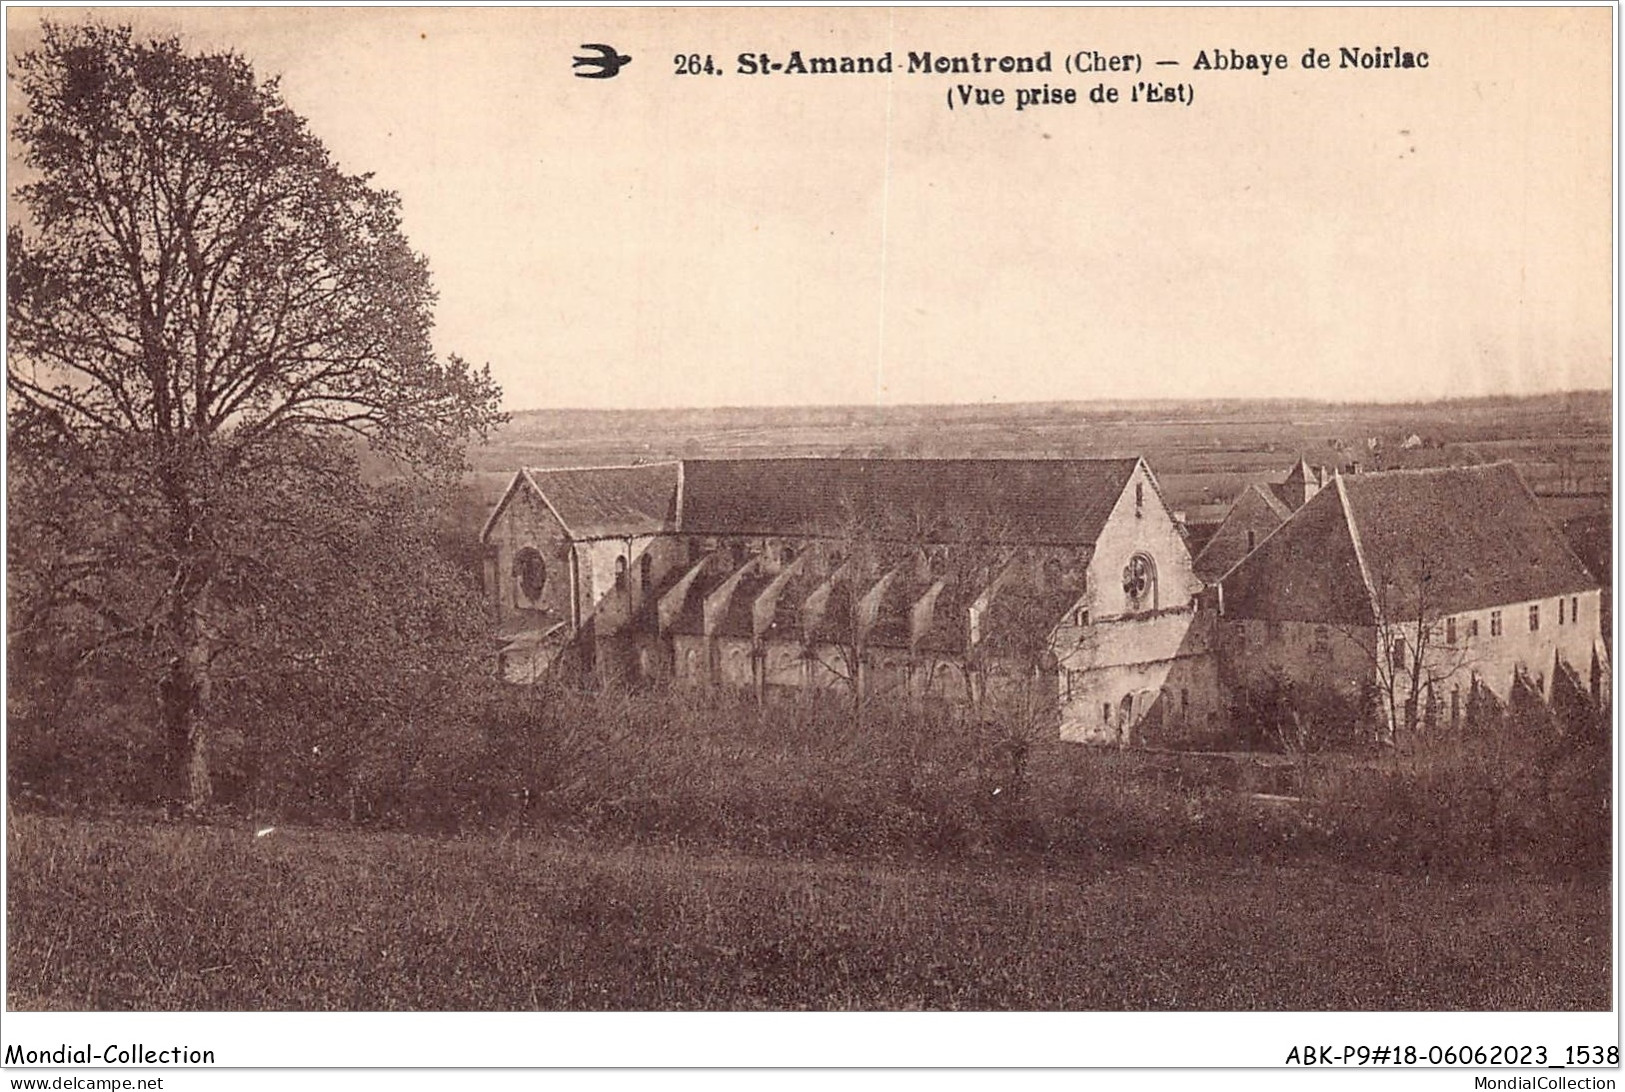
column 1162, row 400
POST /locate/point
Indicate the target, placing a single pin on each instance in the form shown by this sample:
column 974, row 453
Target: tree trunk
column 184, row 690
column 184, row 695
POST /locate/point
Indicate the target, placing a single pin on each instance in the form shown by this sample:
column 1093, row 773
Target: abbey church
column 1063, row 586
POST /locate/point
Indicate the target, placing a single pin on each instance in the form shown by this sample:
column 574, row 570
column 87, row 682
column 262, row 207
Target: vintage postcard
column 546, row 519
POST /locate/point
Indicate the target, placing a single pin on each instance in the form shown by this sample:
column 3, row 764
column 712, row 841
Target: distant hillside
column 1203, row 451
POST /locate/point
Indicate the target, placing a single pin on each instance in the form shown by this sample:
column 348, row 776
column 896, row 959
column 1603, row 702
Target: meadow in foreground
column 110, row 915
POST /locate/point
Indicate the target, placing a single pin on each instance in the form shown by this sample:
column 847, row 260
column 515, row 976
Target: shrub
column 1283, row 714
column 1513, row 796
column 807, row 777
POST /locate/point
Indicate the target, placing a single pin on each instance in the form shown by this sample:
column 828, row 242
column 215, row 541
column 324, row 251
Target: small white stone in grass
column 263, row 831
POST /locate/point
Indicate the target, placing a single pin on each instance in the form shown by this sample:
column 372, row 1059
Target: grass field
column 111, row 915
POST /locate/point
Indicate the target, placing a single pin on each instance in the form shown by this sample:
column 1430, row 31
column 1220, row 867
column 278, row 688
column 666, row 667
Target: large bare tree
column 1413, row 647
column 195, row 292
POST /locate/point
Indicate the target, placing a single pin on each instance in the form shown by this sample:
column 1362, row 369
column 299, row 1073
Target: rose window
column 1139, row 580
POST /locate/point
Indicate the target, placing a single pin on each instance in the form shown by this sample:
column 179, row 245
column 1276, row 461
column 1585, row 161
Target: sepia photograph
column 1102, row 514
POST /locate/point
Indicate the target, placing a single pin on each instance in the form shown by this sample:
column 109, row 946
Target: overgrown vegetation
column 714, row 770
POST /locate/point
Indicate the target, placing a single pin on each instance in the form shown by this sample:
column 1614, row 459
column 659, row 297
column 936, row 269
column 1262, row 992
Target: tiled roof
column 1280, row 495
column 1476, row 533
column 1041, row 501
column 1038, row 501
column 1257, row 510
column 786, row 622
column 1443, row 540
column 737, row 619
column 691, row 617
column 1273, row 502
column 610, row 501
column 894, row 619
column 1308, row 570
column 835, row 625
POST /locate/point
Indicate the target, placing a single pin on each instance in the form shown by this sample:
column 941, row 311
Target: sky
column 658, row 239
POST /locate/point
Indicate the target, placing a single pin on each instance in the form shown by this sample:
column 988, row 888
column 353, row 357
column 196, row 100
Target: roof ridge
column 1399, row 471
column 898, row 459
column 1242, row 560
column 1359, row 548
column 1268, row 494
column 540, row 492
column 502, row 502
column 1156, row 486
column 609, row 466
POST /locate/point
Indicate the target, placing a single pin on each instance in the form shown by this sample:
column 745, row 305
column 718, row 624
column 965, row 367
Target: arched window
column 531, row 572
column 1140, row 583
column 645, row 567
column 620, row 573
